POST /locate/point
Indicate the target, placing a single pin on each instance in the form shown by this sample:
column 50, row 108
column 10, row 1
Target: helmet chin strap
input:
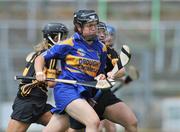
column 102, row 40
column 88, row 38
column 53, row 42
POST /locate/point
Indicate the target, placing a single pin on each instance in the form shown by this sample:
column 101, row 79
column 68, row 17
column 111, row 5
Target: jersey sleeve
column 114, row 54
column 103, row 58
column 58, row 51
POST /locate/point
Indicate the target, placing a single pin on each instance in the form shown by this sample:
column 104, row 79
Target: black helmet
column 85, row 16
column 102, row 25
column 53, row 29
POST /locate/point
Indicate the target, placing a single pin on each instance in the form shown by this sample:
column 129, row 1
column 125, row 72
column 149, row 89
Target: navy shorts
column 29, row 110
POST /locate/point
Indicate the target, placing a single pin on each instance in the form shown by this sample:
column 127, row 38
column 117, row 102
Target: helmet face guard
column 55, row 32
column 102, row 31
column 52, row 38
column 102, row 25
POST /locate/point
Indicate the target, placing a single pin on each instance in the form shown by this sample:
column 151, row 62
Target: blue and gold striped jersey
column 79, row 60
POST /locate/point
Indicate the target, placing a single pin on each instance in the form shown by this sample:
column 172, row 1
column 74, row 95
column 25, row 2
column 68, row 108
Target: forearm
column 39, row 64
column 120, row 73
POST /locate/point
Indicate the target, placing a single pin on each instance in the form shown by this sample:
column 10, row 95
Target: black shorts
column 29, row 110
column 107, row 99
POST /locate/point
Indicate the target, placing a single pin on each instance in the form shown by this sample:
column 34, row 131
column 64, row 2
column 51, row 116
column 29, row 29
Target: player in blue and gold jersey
column 83, row 58
column 107, row 105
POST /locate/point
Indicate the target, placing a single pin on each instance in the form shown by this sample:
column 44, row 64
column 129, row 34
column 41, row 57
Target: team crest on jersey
column 81, row 52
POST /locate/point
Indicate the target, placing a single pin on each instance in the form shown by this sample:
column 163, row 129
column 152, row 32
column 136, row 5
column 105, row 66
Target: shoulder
column 112, row 52
column 68, row 41
column 31, row 56
column 103, row 47
column 111, row 49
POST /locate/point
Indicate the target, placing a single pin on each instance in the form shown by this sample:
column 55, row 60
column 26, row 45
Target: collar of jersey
column 78, row 37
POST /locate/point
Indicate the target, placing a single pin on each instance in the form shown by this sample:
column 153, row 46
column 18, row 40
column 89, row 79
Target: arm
column 125, row 56
column 114, row 60
column 39, row 66
column 56, row 52
column 120, row 73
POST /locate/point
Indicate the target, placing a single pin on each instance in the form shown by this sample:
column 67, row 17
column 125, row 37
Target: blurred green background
column 151, row 28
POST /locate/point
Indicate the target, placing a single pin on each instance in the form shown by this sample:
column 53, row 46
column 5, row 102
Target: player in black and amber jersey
column 30, row 104
column 108, row 105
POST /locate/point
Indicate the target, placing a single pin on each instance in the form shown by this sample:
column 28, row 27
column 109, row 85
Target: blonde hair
column 41, row 46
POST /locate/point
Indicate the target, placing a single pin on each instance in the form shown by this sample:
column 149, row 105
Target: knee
column 135, row 124
column 96, row 123
column 132, row 127
column 93, row 123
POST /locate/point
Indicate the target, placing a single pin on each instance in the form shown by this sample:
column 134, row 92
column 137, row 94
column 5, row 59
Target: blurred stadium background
column 150, row 27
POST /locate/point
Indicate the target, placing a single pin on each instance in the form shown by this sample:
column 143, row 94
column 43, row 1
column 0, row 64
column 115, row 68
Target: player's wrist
column 39, row 73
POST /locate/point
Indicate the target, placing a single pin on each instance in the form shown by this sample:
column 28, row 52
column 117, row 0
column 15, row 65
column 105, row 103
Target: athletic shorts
column 29, row 110
column 64, row 94
column 107, row 99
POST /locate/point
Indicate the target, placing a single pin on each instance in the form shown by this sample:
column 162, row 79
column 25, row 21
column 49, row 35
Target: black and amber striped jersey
column 34, row 88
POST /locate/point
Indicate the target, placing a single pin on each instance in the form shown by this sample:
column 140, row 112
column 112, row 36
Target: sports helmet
column 85, row 16
column 111, row 30
column 102, row 25
column 53, row 29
